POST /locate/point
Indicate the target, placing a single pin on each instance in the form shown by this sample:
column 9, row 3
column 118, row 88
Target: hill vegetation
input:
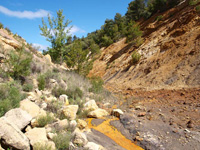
column 79, row 53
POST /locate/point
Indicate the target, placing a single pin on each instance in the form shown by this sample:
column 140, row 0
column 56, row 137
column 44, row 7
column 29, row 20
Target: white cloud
column 72, row 31
column 76, row 29
column 39, row 46
column 24, row 14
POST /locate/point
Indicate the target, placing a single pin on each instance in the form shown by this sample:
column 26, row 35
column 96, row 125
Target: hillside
column 169, row 55
column 161, row 91
column 150, row 101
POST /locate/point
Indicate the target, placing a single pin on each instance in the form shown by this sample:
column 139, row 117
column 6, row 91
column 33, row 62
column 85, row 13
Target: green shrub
column 57, row 91
column 7, row 29
column 75, row 93
column 198, row 8
column 39, row 146
column 44, row 120
column 159, row 18
column 135, row 57
column 97, row 84
column 27, row 87
column 20, row 62
column 62, row 140
column 1, row 26
column 10, row 96
column 193, row 2
column 133, row 31
column 41, row 82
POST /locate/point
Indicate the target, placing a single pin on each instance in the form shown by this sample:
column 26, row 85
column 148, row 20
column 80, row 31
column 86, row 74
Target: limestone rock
column 64, row 99
column 51, row 135
column 72, row 125
column 81, row 124
column 53, row 83
column 93, row 146
column 70, row 111
column 30, row 107
column 12, row 135
column 98, row 113
column 90, row 106
column 38, row 92
column 59, row 125
column 18, row 117
column 117, row 112
column 79, row 138
column 48, row 58
column 37, row 135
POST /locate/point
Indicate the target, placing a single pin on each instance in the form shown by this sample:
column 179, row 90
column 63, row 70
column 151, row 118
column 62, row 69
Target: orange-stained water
column 114, row 134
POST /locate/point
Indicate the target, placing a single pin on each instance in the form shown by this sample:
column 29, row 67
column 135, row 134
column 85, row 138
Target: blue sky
column 24, row 16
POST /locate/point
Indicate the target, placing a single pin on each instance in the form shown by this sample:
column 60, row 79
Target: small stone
column 81, row 124
column 190, row 124
column 117, row 112
column 51, row 135
column 141, row 114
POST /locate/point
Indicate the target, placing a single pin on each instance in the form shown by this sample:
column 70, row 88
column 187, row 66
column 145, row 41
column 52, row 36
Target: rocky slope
column 45, row 121
column 170, row 54
column 161, row 93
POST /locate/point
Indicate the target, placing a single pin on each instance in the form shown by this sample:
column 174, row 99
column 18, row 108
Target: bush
column 41, row 82
column 75, row 93
column 193, row 2
column 97, row 85
column 10, row 96
column 44, row 120
column 62, row 140
column 133, row 31
column 57, row 91
column 27, row 87
column 198, row 8
column 7, row 29
column 135, row 57
column 19, row 62
column 159, row 18
column 1, row 26
column 39, row 146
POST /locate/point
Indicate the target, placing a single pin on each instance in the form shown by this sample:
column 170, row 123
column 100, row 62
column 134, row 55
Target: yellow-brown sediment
column 114, row 134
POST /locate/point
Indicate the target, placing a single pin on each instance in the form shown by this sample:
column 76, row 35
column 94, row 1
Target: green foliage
column 7, row 29
column 198, row 8
column 41, row 82
column 10, row 96
column 97, row 84
column 76, row 56
column 44, row 120
column 45, row 146
column 133, row 31
column 75, row 93
column 159, row 18
column 57, row 91
column 193, row 2
column 136, row 10
column 135, row 57
column 62, row 140
column 19, row 62
column 57, row 33
column 27, row 87
column 106, row 41
column 1, row 26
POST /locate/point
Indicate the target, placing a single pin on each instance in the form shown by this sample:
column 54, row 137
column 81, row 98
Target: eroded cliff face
column 170, row 55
